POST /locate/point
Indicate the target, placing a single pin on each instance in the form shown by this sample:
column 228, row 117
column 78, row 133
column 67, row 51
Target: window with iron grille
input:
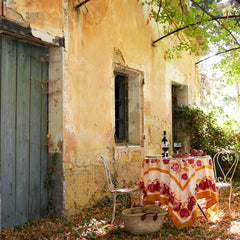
column 128, row 108
column 121, row 108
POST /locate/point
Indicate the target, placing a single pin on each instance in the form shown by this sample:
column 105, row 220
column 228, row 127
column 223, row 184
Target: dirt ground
column 94, row 223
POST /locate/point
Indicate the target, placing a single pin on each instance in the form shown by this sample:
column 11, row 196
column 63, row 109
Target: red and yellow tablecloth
column 178, row 182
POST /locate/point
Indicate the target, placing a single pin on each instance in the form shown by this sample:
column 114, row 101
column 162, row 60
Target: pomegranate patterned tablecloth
column 178, row 182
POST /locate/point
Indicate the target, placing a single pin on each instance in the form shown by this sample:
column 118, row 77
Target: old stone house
column 65, row 69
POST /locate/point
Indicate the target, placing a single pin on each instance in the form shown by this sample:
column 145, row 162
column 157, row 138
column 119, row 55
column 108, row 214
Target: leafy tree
column 204, row 131
column 203, row 23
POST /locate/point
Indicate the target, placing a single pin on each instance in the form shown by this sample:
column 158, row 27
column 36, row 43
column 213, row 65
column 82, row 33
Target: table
column 178, row 182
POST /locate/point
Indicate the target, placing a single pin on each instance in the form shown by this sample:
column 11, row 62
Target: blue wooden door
column 23, row 129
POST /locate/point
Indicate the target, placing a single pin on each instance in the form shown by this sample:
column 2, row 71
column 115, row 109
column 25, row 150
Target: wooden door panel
column 8, row 130
column 35, row 141
column 44, row 130
column 22, row 134
column 24, row 109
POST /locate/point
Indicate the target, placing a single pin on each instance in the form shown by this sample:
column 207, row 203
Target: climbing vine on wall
column 204, row 130
column 49, row 181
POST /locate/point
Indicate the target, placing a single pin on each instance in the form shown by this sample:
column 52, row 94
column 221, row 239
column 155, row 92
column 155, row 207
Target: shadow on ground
column 93, row 223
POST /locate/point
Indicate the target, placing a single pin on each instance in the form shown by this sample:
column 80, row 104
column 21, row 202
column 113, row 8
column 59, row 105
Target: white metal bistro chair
column 224, row 164
column 116, row 191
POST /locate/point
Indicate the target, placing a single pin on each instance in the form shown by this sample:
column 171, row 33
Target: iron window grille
column 121, row 108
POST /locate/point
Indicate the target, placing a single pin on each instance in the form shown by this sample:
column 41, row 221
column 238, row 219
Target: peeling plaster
column 60, row 145
column 118, row 57
column 65, row 70
column 95, row 13
column 14, row 15
column 10, row 2
column 43, row 36
column 65, row 23
column 109, row 131
column 34, row 16
column 148, row 108
column 58, row 141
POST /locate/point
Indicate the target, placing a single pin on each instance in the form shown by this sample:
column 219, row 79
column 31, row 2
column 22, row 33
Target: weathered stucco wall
column 100, row 37
column 44, row 16
column 97, row 29
column 89, row 128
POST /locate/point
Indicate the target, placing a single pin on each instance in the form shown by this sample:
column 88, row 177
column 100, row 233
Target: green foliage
column 114, row 179
column 104, row 202
column 49, row 181
column 116, row 231
column 204, row 131
column 203, row 23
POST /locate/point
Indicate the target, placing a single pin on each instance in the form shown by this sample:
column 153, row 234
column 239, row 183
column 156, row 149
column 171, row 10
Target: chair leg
column 218, row 195
column 229, row 201
column 114, row 207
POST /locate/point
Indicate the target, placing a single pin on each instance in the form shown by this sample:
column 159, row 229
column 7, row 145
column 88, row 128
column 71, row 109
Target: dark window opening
column 121, row 108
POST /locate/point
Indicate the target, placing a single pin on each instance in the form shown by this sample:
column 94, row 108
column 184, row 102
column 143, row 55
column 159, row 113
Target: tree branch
column 175, row 31
column 159, row 9
column 193, row 24
column 212, row 16
column 82, row 3
column 229, row 50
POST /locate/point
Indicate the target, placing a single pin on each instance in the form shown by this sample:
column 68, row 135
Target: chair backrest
column 224, row 164
column 108, row 175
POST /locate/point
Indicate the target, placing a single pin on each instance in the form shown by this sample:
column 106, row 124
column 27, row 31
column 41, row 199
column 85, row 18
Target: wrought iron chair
column 116, row 191
column 224, row 164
